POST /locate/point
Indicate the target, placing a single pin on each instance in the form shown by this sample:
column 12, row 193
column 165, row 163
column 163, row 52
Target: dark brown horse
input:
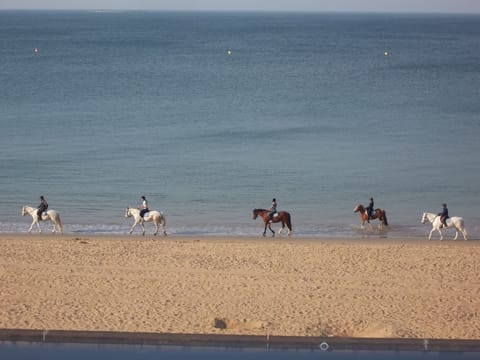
column 281, row 216
column 377, row 214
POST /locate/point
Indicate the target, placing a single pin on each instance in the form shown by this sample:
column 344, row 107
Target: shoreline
column 251, row 230
column 241, row 286
column 367, row 237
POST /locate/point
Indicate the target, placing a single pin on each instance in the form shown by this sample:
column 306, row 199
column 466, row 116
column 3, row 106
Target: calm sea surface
column 210, row 115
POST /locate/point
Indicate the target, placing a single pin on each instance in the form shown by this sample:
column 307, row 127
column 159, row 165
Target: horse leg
column 430, row 235
column 381, row 225
column 38, row 226
column 59, row 225
column 54, row 222
column 163, row 224
column 365, row 220
column 265, row 230
column 133, row 227
column 464, row 233
column 456, row 234
column 270, row 227
column 164, row 227
column 441, row 234
column 31, row 226
column 143, row 228
column 281, row 229
column 156, row 228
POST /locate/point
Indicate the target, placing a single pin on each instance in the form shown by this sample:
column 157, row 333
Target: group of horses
column 455, row 222
column 283, row 217
column 157, row 217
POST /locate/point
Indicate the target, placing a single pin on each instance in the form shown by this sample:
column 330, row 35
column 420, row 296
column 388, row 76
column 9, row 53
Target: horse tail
column 289, row 221
column 59, row 224
column 463, row 229
column 384, row 217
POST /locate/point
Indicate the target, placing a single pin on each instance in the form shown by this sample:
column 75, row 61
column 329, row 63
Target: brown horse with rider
column 379, row 214
column 281, row 216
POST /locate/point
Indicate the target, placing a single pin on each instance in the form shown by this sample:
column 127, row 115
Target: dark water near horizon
column 321, row 111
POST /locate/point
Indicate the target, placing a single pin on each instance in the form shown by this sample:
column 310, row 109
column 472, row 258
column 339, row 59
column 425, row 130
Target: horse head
column 26, row 210
column 128, row 212
column 424, row 218
column 358, row 207
column 255, row 214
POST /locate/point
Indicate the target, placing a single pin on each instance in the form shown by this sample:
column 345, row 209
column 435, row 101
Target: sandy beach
column 411, row 288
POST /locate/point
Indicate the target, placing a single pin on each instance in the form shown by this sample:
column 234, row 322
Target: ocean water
column 210, row 115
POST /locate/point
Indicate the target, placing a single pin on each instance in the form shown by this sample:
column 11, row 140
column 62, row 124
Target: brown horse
column 281, row 216
column 377, row 214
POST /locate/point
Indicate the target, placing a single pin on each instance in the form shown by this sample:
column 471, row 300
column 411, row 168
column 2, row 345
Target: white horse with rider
column 51, row 215
column 455, row 222
column 157, row 217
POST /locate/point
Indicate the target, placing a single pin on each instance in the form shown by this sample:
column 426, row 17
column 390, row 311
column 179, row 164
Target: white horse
column 51, row 215
column 455, row 222
column 156, row 216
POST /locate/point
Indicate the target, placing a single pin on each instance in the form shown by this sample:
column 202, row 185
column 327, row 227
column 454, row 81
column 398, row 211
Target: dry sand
column 318, row 287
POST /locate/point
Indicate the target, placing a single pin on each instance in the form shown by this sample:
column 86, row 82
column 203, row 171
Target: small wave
column 301, row 230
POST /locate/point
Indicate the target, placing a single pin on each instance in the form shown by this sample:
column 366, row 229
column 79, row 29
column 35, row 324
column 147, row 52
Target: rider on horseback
column 42, row 207
column 144, row 207
column 273, row 209
column 370, row 209
column 444, row 215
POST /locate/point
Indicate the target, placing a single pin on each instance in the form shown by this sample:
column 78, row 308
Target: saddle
column 275, row 214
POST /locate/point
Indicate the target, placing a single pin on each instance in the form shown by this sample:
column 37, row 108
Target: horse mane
column 259, row 210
